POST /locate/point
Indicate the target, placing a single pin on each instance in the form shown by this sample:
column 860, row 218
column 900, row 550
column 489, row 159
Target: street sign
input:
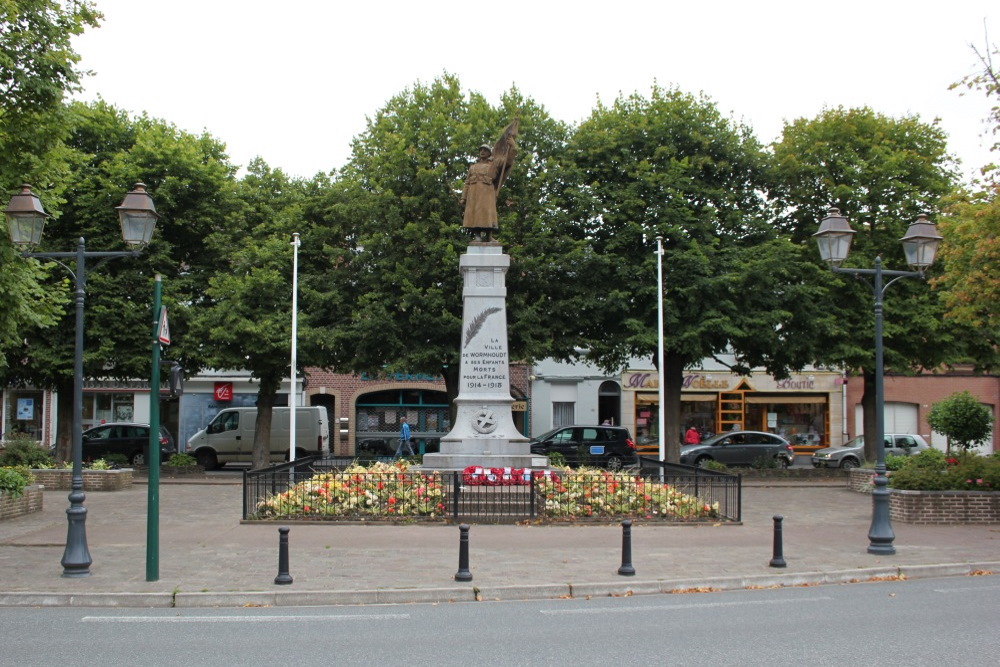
column 163, row 335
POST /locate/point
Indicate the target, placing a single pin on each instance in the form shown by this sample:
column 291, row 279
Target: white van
column 228, row 438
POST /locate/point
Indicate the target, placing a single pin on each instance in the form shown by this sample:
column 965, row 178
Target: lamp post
column 659, row 349
column 293, row 395
column 25, row 222
column 919, row 245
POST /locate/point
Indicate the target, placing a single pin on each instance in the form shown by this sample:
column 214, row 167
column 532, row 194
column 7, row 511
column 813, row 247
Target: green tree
column 37, row 69
column 671, row 165
column 193, row 187
column 970, row 253
column 962, row 418
column 244, row 321
column 970, row 283
column 384, row 275
column 881, row 172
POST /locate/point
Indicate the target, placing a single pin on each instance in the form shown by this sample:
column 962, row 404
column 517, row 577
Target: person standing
column 691, row 437
column 404, row 437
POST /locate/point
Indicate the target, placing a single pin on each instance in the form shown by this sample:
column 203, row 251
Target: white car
column 852, row 454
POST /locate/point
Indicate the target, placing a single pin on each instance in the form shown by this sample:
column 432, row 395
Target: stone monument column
column 484, row 433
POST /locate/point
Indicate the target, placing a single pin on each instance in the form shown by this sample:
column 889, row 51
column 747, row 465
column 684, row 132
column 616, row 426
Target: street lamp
column 25, row 222
column 919, row 245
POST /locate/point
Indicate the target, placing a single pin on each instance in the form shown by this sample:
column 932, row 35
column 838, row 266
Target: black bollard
column 779, row 558
column 626, row 570
column 283, row 577
column 463, row 573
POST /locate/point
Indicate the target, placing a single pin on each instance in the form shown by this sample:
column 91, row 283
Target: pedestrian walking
column 404, row 438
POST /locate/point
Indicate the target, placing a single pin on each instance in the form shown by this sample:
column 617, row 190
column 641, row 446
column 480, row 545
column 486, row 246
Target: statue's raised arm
column 486, row 176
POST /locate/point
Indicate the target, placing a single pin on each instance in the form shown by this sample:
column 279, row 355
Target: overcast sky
column 294, row 81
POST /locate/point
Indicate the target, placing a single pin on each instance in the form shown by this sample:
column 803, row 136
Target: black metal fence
column 338, row 489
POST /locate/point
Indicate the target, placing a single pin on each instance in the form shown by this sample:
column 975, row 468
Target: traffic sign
column 164, row 333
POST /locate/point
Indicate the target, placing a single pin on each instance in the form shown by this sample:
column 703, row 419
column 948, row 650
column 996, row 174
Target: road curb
column 291, row 598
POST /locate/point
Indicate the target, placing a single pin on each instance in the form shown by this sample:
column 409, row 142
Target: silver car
column 739, row 448
column 852, row 454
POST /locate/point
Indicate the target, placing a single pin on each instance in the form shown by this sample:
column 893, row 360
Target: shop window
column 24, row 414
column 563, row 414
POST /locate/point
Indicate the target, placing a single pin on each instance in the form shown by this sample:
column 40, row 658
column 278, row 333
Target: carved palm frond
column 477, row 323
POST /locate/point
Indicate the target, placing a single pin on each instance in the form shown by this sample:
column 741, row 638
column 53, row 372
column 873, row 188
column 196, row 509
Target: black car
column 129, row 440
column 740, row 448
column 605, row 446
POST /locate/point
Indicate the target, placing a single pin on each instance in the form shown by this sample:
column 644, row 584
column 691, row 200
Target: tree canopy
column 37, row 68
column 962, row 418
column 881, row 172
column 671, row 165
column 385, row 258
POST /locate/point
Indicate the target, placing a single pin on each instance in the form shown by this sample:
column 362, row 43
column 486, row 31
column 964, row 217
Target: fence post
column 531, row 496
column 626, row 570
column 456, row 490
column 778, row 560
column 463, row 573
column 283, row 577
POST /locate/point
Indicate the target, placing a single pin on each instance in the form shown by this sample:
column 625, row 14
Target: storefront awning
column 750, row 398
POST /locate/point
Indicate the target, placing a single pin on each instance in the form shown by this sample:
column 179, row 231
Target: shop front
column 806, row 409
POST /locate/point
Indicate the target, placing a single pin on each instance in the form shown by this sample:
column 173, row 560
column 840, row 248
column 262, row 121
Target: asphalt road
column 949, row 621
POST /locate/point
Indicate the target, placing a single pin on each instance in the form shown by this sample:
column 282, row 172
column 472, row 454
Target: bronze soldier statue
column 479, row 196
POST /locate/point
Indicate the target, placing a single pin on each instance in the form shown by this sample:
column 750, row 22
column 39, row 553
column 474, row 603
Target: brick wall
column 30, row 501
column 926, row 390
column 944, row 507
column 862, row 479
column 93, row 480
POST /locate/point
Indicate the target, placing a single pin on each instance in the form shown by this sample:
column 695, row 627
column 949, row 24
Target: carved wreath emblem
column 484, row 421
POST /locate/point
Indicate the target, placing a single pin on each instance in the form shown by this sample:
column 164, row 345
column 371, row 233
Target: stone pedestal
column 484, row 433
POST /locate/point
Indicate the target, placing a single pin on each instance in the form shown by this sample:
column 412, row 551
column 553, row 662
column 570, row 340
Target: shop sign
column 639, row 381
column 519, row 406
column 796, row 383
column 223, row 391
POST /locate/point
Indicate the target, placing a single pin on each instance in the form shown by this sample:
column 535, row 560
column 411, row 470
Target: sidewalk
column 208, row 558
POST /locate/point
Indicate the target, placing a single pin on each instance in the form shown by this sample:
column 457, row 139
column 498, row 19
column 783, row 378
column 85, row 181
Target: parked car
column 851, row 454
column 128, row 439
column 739, row 448
column 605, row 446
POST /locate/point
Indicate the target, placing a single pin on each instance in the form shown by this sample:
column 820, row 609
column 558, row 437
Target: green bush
column 764, row 463
column 929, row 458
column 718, row 466
column 557, row 460
column 896, row 461
column 99, row 464
column 181, row 461
column 22, row 451
column 117, row 459
column 968, row 472
column 13, row 481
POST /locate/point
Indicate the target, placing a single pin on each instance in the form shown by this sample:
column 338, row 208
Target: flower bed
column 600, row 493
column 60, row 479
column 383, row 490
column 393, row 491
column 29, row 501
